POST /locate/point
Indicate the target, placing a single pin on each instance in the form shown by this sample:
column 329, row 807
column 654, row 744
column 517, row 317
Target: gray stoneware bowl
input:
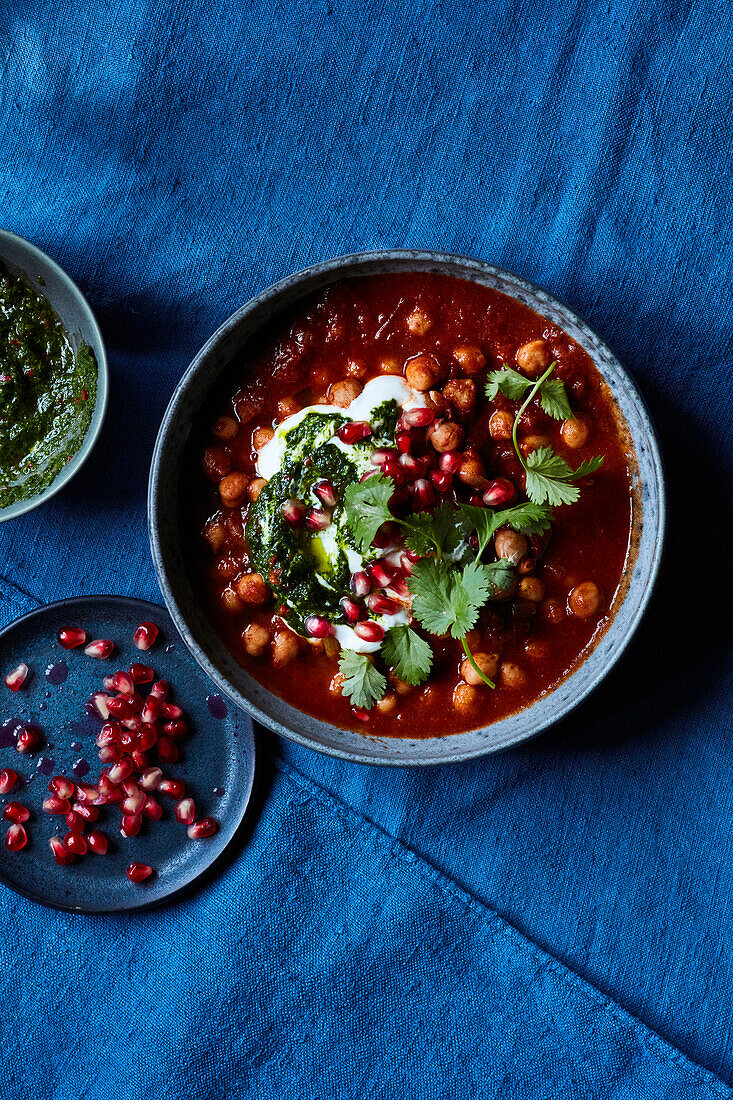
column 169, row 538
column 24, row 259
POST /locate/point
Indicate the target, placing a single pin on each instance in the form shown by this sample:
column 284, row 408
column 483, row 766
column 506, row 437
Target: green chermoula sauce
column 47, row 392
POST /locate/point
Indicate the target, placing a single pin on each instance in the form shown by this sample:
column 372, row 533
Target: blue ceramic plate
column 217, row 757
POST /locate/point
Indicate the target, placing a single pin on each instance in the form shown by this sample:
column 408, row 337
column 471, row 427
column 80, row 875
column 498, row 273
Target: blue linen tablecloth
column 554, row 922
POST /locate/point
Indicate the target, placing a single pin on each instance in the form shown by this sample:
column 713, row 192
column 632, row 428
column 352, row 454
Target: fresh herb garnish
column 408, row 654
column 363, row 683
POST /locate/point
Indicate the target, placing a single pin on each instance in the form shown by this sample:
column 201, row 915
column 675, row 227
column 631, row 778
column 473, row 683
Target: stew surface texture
column 416, row 506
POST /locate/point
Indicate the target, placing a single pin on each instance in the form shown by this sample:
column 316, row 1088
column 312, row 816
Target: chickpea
column 401, row 686
column 255, row 487
column 472, row 472
column 533, row 357
column 356, row 368
column 533, row 443
column 285, row 647
column 286, row 407
column 227, row 568
column 261, row 436
column 487, row 662
column 471, row 358
column 418, row 322
column 343, row 393
column 231, row 601
column 441, row 405
column 531, row 588
column 513, row 676
column 331, row 647
column 536, row 650
column 252, row 589
column 465, row 698
column 256, row 639
column 226, row 427
column 446, row 436
column 510, row 544
column 584, row 600
column 501, row 424
column 574, row 433
column 553, row 611
column 232, row 489
column 337, row 683
column 423, row 372
column 214, row 534
column 216, row 462
column 387, row 704
column 390, row 364
column 461, row 392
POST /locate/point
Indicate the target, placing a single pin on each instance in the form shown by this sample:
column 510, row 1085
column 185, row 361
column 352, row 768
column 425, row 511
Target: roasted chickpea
column 356, row 368
column 226, row 427
column 255, row 487
column 261, row 436
column 446, row 436
column 256, row 639
column 472, row 472
column 418, row 322
column 553, row 611
column 531, row 588
column 501, row 423
column 575, row 432
column 441, row 405
column 387, row 704
column 337, row 684
column 536, row 650
column 228, row 567
column 216, row 462
column 214, row 533
column 401, row 686
column 510, row 544
column 533, row 443
column 423, row 372
column 584, row 600
column 487, row 662
column 252, row 589
column 286, row 407
column 461, row 392
column 533, row 357
column 231, row 601
column 471, row 358
column 232, row 489
column 465, row 698
column 513, row 676
column 285, row 647
column 390, row 364
column 343, row 393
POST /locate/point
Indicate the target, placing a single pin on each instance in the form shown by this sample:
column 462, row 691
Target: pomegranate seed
column 473, row 541
column 160, row 689
column 71, row 636
column 152, row 809
column 450, row 462
column 412, row 466
column 140, row 760
column 16, row 838
column 17, row 812
column 75, row 823
column 97, row 842
column 120, row 771
column 75, row 843
column 351, row 609
column 29, row 739
column 477, row 500
column 326, row 493
column 378, row 458
column 151, row 710
column 129, row 786
column 354, row 432
column 410, row 441
column 398, row 587
column 136, row 704
column 441, row 480
column 138, row 872
column 54, row 805
column 133, row 804
column 15, row 679
column 202, row 829
column 142, row 674
column 412, row 556
column 406, row 565
column 109, row 791
column 381, row 605
column 179, row 728
column 62, row 787
column 381, row 573
column 102, row 648
column 8, row 779
column 418, row 418
column 118, row 707
column 173, row 788
column 133, row 723
column 317, row 626
column 123, row 682
column 171, row 710
column 167, row 750
column 150, row 779
column 85, row 811
column 130, row 824
column 293, row 512
column 100, row 704
column 318, row 520
column 128, row 739
column 362, row 715
column 61, row 853
column 424, row 495
column 361, row 584
column 145, row 635
column 499, row 493
column 107, row 682
column 185, row 811
column 108, row 735
column 392, row 468
column 427, row 462
column 369, row 631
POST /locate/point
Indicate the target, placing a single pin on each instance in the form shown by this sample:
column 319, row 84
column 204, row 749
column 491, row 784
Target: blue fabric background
column 177, row 157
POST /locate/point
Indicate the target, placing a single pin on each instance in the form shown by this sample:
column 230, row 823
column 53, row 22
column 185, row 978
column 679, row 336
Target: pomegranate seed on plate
column 101, row 648
column 412, row 466
column 136, row 703
column 362, row 715
column 173, row 788
column 108, row 735
column 361, row 584
column 450, row 462
column 151, row 710
column 120, row 771
column 500, row 492
column 418, row 418
column 145, row 635
column 61, row 853
column 379, row 604
column 127, row 739
column 351, row 609
column 61, row 786
column 109, row 791
column 381, row 573
column 85, row 811
column 326, row 493
column 378, row 458
column 398, row 587
column 130, row 824
column 293, row 512
column 75, row 823
column 317, row 626
column 118, row 707
column 71, row 636
column 129, row 786
column 406, row 565
column 152, row 809
column 396, row 470
column 75, row 843
column 133, row 804
column 97, row 842
column 202, row 829
column 318, row 520
column 477, row 500
column 171, row 710
column 424, row 495
column 8, row 779
column 441, row 480
column 107, row 683
column 16, row 838
column 17, row 677
column 140, row 760
column 123, row 682
column 29, row 739
column 133, row 723
column 167, row 750
column 17, row 812
column 369, row 631
column 100, row 703
column 54, row 805
column 142, row 674
column 354, row 432
column 177, row 728
column 150, row 779
column 138, row 872
column 185, row 811
column 160, row 689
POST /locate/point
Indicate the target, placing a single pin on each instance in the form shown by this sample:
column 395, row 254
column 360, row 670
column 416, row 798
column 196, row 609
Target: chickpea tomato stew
column 420, row 507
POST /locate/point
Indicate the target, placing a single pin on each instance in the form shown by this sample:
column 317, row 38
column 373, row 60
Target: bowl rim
column 19, row 508
column 347, row 264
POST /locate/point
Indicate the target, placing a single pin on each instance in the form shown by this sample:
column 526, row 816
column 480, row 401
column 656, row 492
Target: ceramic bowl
column 24, row 259
column 167, row 490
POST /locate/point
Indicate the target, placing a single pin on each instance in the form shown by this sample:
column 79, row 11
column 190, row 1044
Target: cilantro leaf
column 441, row 530
column 509, row 382
column 528, row 519
column 367, row 508
column 500, row 574
column 363, row 683
column 589, row 466
column 447, row 600
column 548, row 475
column 483, row 522
column 554, row 399
column 408, row 654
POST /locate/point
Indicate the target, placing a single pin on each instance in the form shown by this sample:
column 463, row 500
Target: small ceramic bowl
column 169, row 537
column 24, row 259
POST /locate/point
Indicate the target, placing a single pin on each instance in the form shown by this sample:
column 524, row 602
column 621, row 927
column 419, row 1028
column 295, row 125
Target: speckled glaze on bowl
column 23, row 258
column 168, row 541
